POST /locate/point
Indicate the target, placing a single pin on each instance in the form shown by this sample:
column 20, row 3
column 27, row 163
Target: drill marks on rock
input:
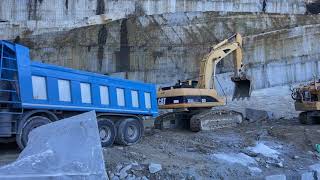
column 102, row 40
column 100, row 7
column 33, row 9
column 264, row 6
column 172, row 27
column 155, row 25
column 123, row 57
column 67, row 4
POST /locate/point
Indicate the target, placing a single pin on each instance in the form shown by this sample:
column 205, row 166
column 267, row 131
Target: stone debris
column 153, row 168
column 144, row 178
column 239, row 158
column 123, row 172
column 255, row 170
column 264, row 150
column 280, row 164
column 296, row 157
column 115, row 178
column 131, row 177
column 65, row 149
column 135, row 171
column 249, row 151
column 276, row 177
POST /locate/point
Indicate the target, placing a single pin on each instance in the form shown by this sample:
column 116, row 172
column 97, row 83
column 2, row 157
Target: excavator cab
column 242, row 88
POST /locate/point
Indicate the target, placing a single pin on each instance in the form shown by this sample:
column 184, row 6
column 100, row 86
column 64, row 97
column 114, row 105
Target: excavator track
column 173, row 120
column 199, row 120
column 309, row 118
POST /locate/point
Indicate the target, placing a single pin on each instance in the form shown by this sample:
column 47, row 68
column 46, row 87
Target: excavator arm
column 218, row 52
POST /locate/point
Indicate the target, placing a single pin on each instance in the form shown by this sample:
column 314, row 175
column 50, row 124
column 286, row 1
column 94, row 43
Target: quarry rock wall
column 32, row 17
column 279, row 49
column 74, row 10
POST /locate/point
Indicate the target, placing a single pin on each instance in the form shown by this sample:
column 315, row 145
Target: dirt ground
column 286, row 147
column 250, row 150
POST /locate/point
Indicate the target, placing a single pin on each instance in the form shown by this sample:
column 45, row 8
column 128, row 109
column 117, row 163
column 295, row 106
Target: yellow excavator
column 192, row 101
column 307, row 100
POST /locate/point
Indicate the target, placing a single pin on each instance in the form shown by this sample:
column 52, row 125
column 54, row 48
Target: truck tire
column 25, row 129
column 107, row 132
column 129, row 131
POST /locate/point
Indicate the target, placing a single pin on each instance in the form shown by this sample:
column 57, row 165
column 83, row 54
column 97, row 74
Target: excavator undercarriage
column 197, row 120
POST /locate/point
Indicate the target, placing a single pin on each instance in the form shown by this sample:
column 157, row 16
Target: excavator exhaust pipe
column 242, row 88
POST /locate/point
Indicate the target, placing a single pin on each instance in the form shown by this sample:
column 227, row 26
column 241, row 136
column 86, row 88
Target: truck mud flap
column 5, row 124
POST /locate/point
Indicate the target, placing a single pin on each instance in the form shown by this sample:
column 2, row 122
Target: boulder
column 123, row 172
column 316, row 169
column 307, row 176
column 153, row 168
column 253, row 115
column 65, row 149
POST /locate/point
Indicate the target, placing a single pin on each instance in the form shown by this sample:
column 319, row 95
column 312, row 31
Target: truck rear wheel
column 129, row 131
column 25, row 129
column 107, row 132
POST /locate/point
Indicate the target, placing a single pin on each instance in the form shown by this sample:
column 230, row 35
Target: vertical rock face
column 102, row 40
column 278, row 49
column 123, row 56
column 61, row 10
column 100, row 7
column 176, row 43
column 161, row 41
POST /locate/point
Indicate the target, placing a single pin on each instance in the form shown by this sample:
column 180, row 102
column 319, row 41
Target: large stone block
column 66, row 149
column 307, row 176
column 258, row 115
column 316, row 168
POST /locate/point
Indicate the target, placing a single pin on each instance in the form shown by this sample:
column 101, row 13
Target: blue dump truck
column 33, row 94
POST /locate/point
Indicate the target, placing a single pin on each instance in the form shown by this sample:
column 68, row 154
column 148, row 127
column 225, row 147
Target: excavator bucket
column 242, row 88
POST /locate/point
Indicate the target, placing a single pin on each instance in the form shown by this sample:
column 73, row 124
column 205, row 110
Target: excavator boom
column 218, row 52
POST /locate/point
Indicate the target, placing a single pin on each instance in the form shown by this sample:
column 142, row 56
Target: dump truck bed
column 44, row 86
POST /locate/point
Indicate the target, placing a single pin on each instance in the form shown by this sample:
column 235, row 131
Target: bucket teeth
column 242, row 89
